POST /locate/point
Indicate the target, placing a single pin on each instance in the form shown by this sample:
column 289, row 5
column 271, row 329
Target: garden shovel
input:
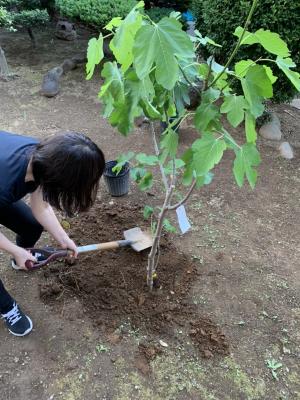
column 134, row 237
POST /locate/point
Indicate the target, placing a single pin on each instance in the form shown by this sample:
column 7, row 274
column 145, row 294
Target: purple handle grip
column 49, row 255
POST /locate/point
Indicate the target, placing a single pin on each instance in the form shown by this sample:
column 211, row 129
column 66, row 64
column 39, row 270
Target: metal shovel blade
column 140, row 240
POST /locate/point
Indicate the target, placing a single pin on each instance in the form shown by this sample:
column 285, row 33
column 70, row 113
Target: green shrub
column 157, row 13
column 218, row 19
column 178, row 5
column 95, row 12
column 30, row 18
column 23, row 14
column 5, row 20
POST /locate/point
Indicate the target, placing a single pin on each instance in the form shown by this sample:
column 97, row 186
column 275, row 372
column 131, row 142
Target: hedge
column 219, row 18
column 95, row 12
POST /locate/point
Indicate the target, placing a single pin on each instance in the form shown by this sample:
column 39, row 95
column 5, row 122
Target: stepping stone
column 272, row 129
column 50, row 85
column 286, row 151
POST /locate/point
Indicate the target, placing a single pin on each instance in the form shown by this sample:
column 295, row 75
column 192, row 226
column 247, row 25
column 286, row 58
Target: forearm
column 47, row 218
column 20, row 255
column 6, row 244
column 45, row 215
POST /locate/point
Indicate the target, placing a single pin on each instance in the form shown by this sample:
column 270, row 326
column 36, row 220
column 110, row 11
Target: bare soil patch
column 112, row 285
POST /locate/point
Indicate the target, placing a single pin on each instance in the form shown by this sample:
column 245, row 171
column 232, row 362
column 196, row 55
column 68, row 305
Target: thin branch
column 108, row 35
column 237, row 46
column 174, row 176
column 188, row 80
column 178, row 121
column 163, row 175
column 186, row 197
column 208, row 74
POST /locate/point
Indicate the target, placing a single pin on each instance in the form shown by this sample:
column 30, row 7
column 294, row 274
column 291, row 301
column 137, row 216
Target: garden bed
column 112, row 285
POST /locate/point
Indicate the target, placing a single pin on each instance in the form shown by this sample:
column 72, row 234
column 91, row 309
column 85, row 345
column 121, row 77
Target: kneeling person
column 62, row 171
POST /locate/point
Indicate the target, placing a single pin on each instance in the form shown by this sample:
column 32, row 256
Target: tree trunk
column 32, row 37
column 154, row 253
column 4, row 70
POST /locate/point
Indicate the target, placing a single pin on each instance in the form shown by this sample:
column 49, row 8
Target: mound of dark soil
column 112, row 284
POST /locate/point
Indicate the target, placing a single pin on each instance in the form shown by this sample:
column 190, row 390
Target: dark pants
column 18, row 217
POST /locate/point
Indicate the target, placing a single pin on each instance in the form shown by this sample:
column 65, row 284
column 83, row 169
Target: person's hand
column 21, row 255
column 67, row 243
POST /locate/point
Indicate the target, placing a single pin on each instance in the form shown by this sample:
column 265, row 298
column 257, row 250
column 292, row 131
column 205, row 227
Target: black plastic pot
column 117, row 184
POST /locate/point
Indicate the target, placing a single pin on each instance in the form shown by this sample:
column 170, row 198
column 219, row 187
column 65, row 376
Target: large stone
column 50, row 85
column 286, row 150
column 65, row 30
column 272, row 129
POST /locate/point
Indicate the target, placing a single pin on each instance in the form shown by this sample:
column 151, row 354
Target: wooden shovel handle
column 108, row 245
column 104, row 246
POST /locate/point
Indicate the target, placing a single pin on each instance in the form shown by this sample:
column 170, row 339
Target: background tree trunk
column 32, row 37
column 4, row 70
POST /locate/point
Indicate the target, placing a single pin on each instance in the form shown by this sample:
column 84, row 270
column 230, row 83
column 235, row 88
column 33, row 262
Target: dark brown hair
column 68, row 167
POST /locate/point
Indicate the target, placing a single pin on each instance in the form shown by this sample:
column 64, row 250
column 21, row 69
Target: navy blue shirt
column 15, row 153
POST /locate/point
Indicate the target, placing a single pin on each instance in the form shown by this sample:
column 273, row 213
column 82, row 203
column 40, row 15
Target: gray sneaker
column 17, row 322
column 14, row 265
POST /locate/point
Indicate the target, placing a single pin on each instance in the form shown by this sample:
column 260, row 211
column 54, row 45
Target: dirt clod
column 208, row 338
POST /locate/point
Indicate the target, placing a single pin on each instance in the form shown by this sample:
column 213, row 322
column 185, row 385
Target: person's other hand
column 68, row 243
column 21, row 255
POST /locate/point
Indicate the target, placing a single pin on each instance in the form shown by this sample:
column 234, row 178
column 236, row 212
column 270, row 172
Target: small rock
column 163, row 344
column 68, row 65
column 286, row 151
column 79, row 59
column 296, row 103
column 207, row 354
column 272, row 129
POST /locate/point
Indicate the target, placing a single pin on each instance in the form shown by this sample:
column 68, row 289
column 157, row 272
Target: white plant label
column 183, row 221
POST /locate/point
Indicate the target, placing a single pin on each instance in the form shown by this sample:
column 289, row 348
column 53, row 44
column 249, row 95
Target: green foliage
column 148, row 211
column 273, row 365
column 157, row 13
column 166, row 44
column 5, row 20
column 95, row 55
column 30, row 18
column 247, row 157
column 179, row 5
column 97, row 13
column 23, row 14
column 154, row 68
column 121, row 161
column 152, row 80
column 168, row 226
column 282, row 17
